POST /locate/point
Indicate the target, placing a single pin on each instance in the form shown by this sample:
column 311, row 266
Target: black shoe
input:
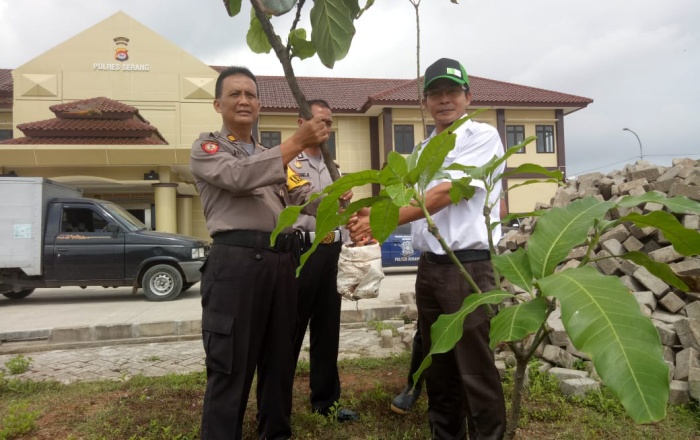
column 403, row 403
column 342, row 415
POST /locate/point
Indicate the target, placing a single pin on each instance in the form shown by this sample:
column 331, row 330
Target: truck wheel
column 186, row 286
column 19, row 295
column 162, row 283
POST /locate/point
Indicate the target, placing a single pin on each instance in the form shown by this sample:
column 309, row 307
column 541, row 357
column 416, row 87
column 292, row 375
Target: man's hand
column 310, row 133
column 358, row 226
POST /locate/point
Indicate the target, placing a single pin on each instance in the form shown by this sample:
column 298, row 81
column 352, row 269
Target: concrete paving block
column 578, row 387
column 408, row 297
column 687, row 267
column 681, row 189
column 570, row 348
column 672, row 302
column 667, row 333
column 558, row 356
column 646, row 298
column 625, row 188
column 652, row 207
column 567, row 373
column 650, row 281
column 619, row 233
column 609, row 266
column 694, row 382
column 692, row 310
column 501, row 367
column 641, row 233
column 113, row 331
column 669, row 355
column 686, row 358
column 638, row 191
column 649, row 174
column 387, row 339
column 668, row 318
column 632, row 244
column 411, row 311
column 628, row 267
column 679, row 393
column 558, row 335
column 688, row 331
column 666, row 254
column 691, row 221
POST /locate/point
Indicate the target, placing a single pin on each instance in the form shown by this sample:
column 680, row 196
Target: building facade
column 115, row 109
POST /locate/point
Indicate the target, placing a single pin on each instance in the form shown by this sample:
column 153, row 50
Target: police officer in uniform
column 319, row 301
column 248, row 286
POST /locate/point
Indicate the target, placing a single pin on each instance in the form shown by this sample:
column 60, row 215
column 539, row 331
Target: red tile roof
column 98, row 106
column 100, row 121
column 356, row 95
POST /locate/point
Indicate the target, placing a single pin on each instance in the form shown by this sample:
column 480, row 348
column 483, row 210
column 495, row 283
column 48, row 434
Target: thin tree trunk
column 283, row 56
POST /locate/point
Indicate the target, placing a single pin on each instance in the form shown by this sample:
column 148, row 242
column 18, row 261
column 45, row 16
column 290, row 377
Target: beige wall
column 529, row 119
column 524, row 198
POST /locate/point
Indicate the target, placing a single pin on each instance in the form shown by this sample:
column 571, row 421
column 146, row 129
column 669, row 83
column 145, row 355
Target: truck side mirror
column 113, row 228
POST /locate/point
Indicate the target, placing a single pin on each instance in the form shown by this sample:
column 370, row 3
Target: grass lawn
column 169, row 407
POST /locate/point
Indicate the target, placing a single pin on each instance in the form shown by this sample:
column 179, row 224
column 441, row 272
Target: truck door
column 83, row 250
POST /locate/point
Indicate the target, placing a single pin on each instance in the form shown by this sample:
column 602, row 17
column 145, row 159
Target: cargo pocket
column 217, row 333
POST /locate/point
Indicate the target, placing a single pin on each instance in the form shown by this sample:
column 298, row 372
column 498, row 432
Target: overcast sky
column 639, row 60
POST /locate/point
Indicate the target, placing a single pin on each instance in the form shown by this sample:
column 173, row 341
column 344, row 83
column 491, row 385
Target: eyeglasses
column 451, row 92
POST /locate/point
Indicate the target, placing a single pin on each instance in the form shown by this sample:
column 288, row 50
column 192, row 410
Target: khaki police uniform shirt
column 239, row 190
column 318, row 176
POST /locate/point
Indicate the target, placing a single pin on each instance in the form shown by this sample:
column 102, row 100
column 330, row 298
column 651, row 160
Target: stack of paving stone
column 674, row 313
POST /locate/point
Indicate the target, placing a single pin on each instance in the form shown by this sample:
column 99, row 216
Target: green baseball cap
column 445, row 68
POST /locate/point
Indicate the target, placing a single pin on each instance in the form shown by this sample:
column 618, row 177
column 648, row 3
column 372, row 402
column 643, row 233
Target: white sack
column 360, row 271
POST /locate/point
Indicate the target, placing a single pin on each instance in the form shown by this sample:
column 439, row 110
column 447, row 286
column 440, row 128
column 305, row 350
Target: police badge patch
column 210, row 147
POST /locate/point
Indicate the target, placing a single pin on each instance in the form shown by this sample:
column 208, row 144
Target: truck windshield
column 121, row 214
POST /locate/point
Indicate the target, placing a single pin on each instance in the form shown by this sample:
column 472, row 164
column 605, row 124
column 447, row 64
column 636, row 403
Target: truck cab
column 90, row 242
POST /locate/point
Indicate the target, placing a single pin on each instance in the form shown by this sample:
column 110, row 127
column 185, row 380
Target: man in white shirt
column 463, row 383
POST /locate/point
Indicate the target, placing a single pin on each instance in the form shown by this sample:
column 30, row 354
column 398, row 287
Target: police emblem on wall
column 121, row 52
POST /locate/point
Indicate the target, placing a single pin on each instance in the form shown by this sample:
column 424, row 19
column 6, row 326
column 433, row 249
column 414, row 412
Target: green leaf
column 561, row 229
column 397, row 163
column 515, row 322
column 604, row 321
column 531, row 168
column 301, row 47
column 515, row 267
column 659, row 270
column 277, row 7
column 286, row 220
column 685, row 241
column 383, row 219
column 681, row 205
column 461, row 189
column 233, row 7
column 331, row 30
column 400, row 194
column 351, row 180
column 256, row 38
column 354, row 6
column 448, row 329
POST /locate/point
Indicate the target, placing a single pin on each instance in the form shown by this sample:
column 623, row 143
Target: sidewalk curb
column 142, row 333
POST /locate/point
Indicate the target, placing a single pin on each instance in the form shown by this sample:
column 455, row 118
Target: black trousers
column 319, row 309
column 248, row 321
column 462, row 383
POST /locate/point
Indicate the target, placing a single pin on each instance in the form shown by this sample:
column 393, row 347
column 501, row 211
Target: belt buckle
column 329, row 238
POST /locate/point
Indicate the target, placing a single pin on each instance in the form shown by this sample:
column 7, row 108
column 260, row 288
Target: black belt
column 257, row 240
column 464, row 256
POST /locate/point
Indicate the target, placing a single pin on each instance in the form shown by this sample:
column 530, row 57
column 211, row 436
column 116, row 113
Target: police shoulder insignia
column 294, row 180
column 297, row 164
column 231, row 138
column 210, row 147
